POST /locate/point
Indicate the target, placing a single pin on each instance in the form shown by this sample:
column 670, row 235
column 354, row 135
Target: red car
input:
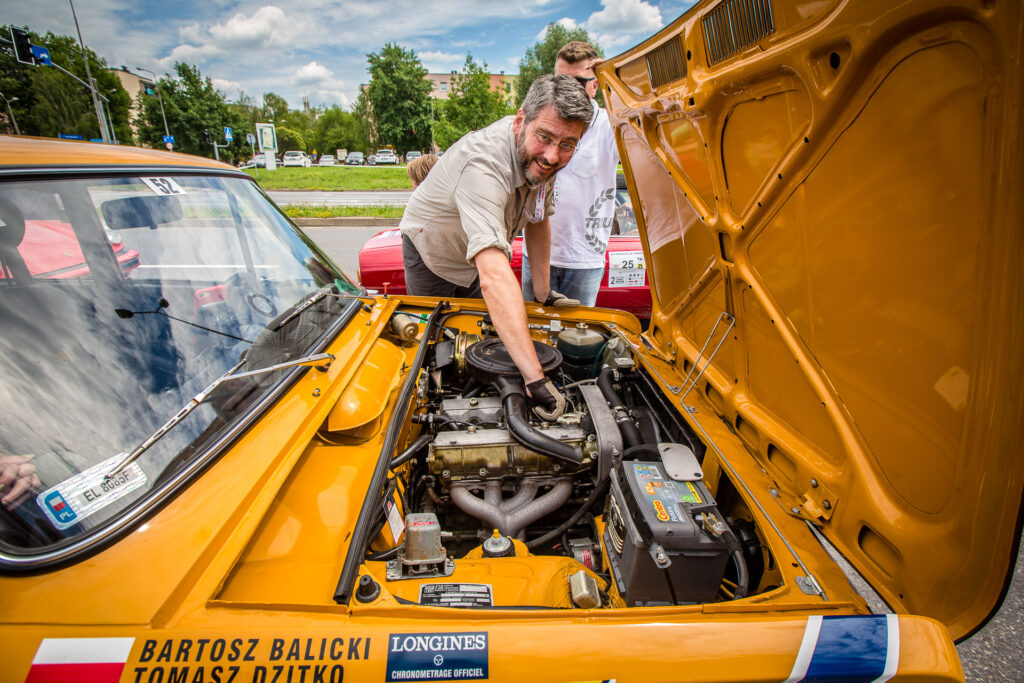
column 624, row 285
column 50, row 250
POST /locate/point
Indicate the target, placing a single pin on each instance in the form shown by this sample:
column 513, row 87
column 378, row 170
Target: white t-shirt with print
column 585, row 198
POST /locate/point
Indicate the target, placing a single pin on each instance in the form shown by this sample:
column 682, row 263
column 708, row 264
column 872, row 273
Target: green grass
column 321, row 211
column 333, row 178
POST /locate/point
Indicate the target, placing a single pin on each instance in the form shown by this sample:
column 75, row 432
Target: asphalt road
column 995, row 653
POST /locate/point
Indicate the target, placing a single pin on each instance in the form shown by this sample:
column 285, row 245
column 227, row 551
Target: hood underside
column 843, row 179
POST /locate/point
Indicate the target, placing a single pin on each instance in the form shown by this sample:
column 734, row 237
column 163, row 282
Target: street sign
column 65, row 136
column 41, row 55
column 228, row 135
column 170, row 146
column 250, row 138
column 169, row 139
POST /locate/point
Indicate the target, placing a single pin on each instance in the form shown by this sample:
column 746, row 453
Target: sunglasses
column 584, row 81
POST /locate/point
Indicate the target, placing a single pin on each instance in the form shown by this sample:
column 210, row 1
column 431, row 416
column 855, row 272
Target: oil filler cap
column 498, row 546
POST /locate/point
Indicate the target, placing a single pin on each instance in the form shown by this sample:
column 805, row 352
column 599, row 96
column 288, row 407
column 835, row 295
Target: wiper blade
column 321, row 361
column 312, row 299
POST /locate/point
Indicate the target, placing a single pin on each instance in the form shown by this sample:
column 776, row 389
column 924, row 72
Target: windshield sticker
column 437, row 656
column 456, row 595
column 626, row 268
column 163, row 185
column 88, row 492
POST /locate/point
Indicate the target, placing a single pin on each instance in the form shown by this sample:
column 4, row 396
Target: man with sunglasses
column 584, row 195
column 459, row 222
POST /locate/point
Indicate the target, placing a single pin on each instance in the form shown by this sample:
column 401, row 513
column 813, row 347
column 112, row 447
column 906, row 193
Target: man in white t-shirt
column 584, row 194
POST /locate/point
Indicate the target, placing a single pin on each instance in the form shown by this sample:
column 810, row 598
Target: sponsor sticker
column 626, row 269
column 88, row 492
column 456, row 595
column 437, row 656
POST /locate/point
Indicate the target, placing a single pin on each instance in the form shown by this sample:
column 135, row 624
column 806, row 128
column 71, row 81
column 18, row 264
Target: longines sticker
column 437, row 656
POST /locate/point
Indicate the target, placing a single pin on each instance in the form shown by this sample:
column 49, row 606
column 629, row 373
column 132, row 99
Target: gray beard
column 524, row 160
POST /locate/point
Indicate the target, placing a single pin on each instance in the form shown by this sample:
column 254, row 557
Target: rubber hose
column 648, row 448
column 630, row 432
column 742, row 573
column 524, row 433
column 412, row 451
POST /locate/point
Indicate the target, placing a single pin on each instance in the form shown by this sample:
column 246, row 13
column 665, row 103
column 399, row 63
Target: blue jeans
column 575, row 283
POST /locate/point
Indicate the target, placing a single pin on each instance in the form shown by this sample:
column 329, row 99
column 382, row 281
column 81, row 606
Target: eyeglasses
column 584, row 81
column 564, row 147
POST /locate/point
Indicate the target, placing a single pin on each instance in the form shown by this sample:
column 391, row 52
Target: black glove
column 559, row 300
column 548, row 402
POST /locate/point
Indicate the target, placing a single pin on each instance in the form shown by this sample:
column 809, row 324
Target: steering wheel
column 250, row 297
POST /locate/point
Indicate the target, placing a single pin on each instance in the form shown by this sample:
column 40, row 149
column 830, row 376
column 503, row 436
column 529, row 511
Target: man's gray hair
column 569, row 98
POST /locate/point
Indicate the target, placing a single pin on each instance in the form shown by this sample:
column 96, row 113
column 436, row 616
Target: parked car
column 255, row 161
column 409, row 156
column 386, row 156
column 296, row 158
column 327, row 160
column 292, row 479
column 355, row 159
column 624, row 285
column 371, row 160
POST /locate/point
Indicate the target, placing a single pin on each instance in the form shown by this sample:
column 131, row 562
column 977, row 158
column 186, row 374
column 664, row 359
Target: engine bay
column 615, row 503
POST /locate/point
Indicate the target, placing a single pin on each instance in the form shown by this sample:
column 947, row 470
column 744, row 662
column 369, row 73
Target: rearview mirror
column 141, row 212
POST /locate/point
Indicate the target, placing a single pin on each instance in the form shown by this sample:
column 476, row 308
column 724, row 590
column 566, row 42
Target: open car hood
column 842, row 180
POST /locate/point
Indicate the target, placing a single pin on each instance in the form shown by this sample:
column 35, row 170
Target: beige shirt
column 474, row 197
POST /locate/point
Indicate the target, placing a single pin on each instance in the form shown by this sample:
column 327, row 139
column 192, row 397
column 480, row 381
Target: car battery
column 659, row 547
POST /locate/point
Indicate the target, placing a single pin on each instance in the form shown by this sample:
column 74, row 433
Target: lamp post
column 158, row 97
column 104, row 133
column 10, row 113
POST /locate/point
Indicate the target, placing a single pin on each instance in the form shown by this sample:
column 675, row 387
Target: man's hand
column 549, row 403
column 17, row 479
column 559, row 300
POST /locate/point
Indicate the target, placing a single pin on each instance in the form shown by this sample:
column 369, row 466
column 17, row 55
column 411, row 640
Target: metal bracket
column 696, row 362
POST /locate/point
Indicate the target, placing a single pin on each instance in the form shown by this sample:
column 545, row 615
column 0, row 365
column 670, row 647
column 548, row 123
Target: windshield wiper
column 321, row 361
column 299, row 308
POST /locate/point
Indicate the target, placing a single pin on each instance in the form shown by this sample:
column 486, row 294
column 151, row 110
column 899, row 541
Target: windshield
column 121, row 298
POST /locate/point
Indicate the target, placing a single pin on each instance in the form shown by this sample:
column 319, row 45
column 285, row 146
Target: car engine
column 615, row 482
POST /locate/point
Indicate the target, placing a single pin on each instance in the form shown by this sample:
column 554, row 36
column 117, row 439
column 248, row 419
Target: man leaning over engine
column 459, row 223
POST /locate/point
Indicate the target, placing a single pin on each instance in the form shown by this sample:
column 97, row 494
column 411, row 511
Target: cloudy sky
column 318, row 48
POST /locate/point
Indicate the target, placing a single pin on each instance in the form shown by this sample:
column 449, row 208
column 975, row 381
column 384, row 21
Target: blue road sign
column 228, row 135
column 65, row 136
column 169, row 138
column 41, row 54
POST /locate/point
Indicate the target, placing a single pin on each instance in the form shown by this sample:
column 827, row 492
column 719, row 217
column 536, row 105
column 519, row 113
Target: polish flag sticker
column 87, row 660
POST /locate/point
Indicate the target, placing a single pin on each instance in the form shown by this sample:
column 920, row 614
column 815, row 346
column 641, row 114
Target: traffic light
column 22, row 46
column 207, row 138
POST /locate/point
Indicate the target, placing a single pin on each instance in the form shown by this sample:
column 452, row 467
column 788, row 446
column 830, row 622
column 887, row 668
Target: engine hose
column 742, row 574
column 648, row 448
column 514, row 403
column 596, row 494
column 412, row 451
column 630, row 432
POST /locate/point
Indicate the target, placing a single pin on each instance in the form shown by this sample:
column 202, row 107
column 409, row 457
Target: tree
column 471, row 104
column 192, row 105
column 49, row 102
column 540, row 59
column 398, row 98
column 338, row 129
column 288, row 139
